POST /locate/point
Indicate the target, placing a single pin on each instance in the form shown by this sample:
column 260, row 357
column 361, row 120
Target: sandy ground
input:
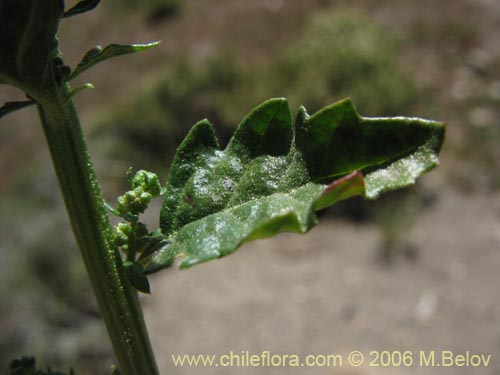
column 324, row 294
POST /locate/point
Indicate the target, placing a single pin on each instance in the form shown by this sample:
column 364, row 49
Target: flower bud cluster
column 132, row 236
column 145, row 185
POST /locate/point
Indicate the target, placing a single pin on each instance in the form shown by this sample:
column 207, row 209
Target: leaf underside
column 277, row 171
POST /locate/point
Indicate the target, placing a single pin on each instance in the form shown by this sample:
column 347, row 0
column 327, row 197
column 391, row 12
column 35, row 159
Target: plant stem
column 117, row 300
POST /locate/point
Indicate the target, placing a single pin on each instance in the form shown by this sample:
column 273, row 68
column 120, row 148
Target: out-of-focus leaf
column 81, row 7
column 275, row 172
column 97, row 54
column 28, row 44
column 15, row 106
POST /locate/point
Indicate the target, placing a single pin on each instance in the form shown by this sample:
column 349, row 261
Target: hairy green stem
column 117, row 300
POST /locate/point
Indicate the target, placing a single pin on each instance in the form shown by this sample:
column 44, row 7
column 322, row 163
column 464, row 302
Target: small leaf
column 15, row 106
column 275, row 173
column 79, row 89
column 108, row 206
column 136, row 276
column 155, row 241
column 81, row 7
column 97, row 54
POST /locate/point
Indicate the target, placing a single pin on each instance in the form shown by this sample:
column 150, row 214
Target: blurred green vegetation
column 339, row 54
column 343, row 53
column 153, row 10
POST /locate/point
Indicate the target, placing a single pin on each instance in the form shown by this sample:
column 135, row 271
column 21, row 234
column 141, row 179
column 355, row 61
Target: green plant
column 276, row 171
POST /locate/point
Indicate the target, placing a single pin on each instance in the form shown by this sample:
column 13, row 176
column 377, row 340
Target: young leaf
column 97, row 54
column 15, row 106
column 79, row 89
column 136, row 276
column 82, row 7
column 275, row 172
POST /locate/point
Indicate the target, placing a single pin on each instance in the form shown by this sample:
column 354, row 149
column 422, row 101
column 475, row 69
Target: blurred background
column 416, row 270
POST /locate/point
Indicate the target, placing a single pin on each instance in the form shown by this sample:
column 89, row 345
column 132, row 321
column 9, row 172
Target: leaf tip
column 342, row 110
column 302, row 113
column 273, row 103
column 202, row 133
column 440, row 127
column 145, row 46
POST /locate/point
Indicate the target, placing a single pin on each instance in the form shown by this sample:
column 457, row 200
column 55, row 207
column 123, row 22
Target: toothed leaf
column 276, row 172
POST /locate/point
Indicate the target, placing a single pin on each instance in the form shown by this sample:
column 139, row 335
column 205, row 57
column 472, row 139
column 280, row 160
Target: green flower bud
column 134, row 201
column 141, row 201
column 148, row 181
column 123, row 232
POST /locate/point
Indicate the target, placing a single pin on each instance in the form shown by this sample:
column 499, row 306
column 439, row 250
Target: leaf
column 276, row 172
column 97, row 54
column 81, row 7
column 28, row 45
column 15, row 106
column 136, row 276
